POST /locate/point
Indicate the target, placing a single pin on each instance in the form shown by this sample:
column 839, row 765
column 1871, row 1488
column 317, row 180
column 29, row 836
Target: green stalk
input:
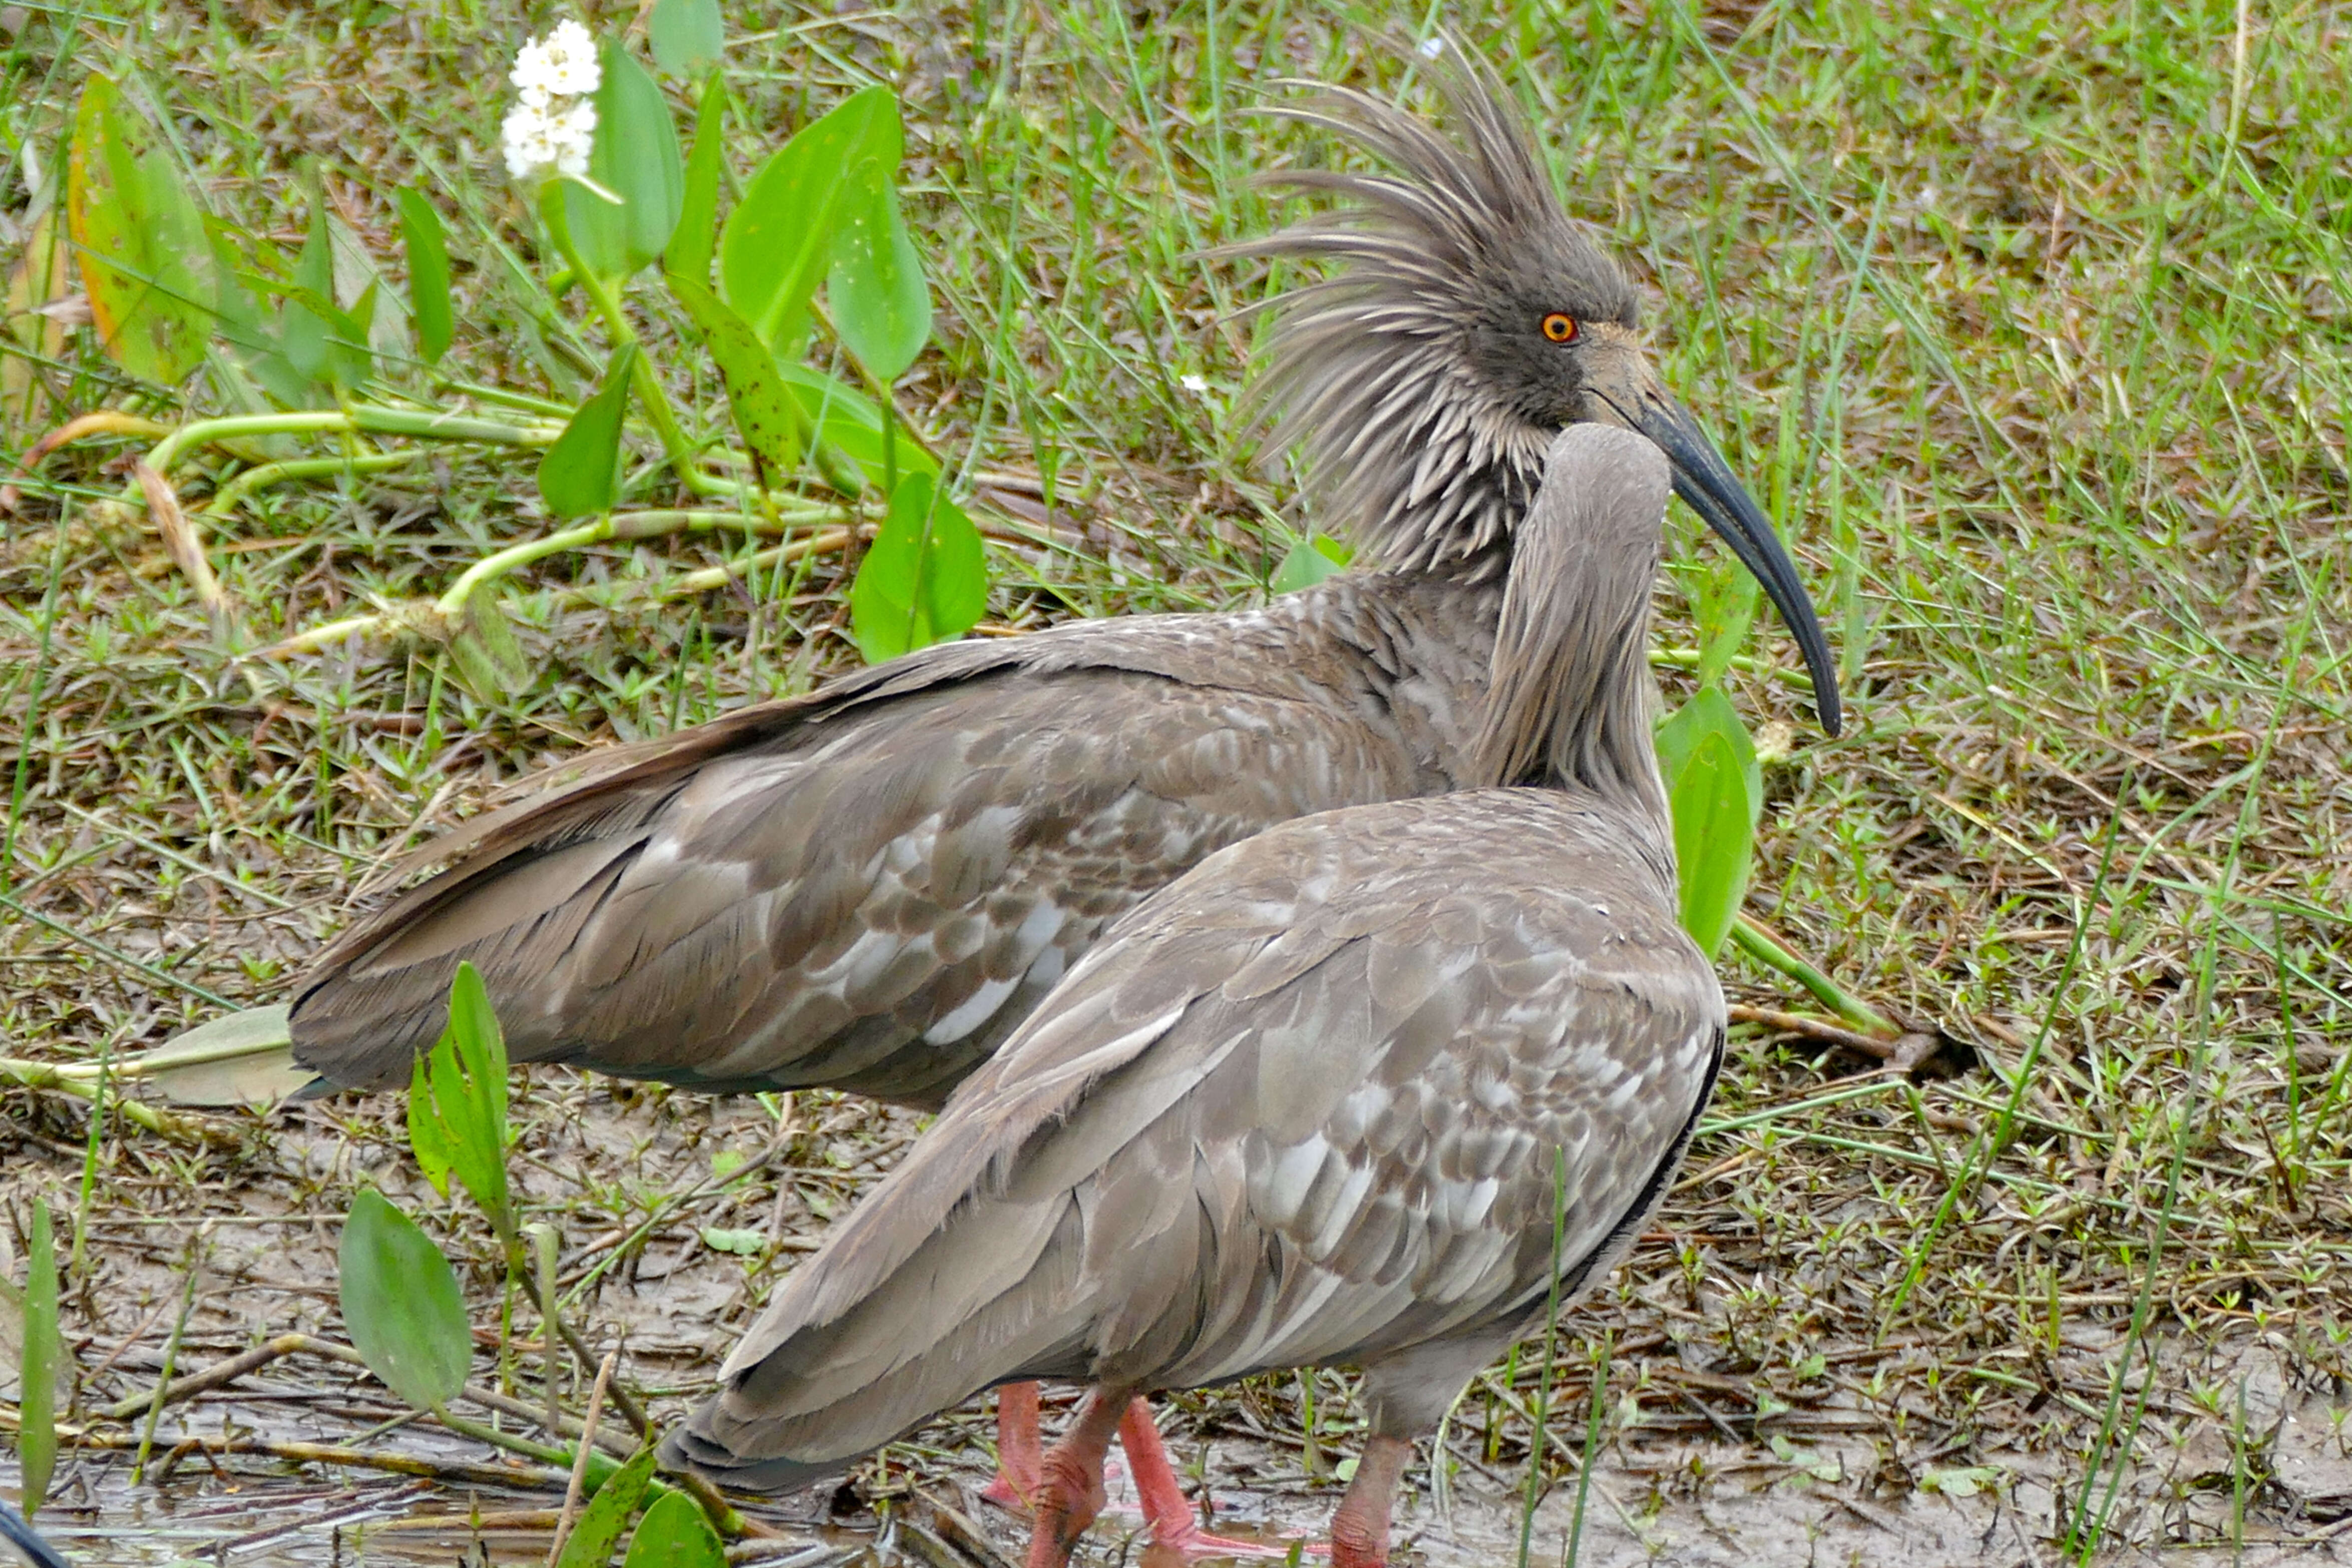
column 617, row 322
column 47, row 1076
column 1773, row 953
column 171, row 1361
column 1591, row 1448
column 426, row 424
column 619, row 525
column 227, row 499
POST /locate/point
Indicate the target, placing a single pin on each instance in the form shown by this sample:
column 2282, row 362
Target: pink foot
column 1166, row 1509
column 1020, row 1451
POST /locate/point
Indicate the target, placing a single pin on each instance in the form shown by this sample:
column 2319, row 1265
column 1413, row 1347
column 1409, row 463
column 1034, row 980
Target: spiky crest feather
column 1414, row 453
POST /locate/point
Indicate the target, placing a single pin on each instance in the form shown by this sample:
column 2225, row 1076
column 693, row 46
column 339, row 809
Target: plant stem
column 617, row 322
column 47, row 1076
column 227, row 499
column 1775, row 954
column 424, row 424
column 170, row 1358
column 623, row 525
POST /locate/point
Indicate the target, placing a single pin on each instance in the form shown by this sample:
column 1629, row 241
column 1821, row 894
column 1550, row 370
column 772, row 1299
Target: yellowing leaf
column 145, row 258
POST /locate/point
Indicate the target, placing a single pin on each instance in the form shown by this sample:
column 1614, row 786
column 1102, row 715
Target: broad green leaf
column 1715, row 792
column 468, row 1084
column 240, row 1058
column 429, row 274
column 1710, row 711
column 44, row 1363
column 1725, row 609
column 674, row 1534
column 770, row 419
column 145, row 258
column 881, row 304
column 846, row 419
column 401, row 1304
column 692, row 243
column 427, row 1139
column 582, row 472
column 925, row 577
column 590, row 1542
column 1309, row 562
column 323, row 342
column 634, row 157
column 742, row 1243
column 688, row 38
column 779, row 241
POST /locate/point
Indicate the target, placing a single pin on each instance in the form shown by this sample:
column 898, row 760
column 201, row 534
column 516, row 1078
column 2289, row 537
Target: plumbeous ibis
column 1312, row 1102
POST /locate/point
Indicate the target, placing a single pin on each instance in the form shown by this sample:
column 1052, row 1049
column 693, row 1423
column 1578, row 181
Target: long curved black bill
column 1707, row 485
column 17, row 1533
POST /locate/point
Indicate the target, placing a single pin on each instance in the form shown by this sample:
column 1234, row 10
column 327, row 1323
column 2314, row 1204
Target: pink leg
column 1018, row 1449
column 1359, row 1531
column 1174, row 1527
column 1070, row 1480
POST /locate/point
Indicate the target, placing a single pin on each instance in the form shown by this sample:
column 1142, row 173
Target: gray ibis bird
column 1319, row 1101
column 868, row 888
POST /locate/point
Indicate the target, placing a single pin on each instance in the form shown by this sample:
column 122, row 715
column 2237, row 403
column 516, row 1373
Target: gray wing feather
column 868, row 888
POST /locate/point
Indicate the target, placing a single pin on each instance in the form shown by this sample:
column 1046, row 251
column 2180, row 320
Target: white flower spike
column 552, row 126
column 564, row 63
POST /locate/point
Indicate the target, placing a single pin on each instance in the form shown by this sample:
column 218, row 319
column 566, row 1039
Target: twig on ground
column 580, row 1465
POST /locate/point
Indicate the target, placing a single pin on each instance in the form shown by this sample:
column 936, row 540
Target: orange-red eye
column 1559, row 327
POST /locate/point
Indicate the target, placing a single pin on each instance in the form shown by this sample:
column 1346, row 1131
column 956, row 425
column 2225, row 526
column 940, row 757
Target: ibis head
column 1467, row 319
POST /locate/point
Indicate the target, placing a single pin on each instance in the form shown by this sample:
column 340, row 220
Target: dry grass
column 2029, row 321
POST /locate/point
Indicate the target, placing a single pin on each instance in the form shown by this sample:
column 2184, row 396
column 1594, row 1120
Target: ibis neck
column 1600, row 741
column 1568, row 706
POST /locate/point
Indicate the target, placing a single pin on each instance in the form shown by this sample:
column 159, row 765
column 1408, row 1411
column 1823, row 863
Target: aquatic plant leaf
column 401, row 1304
column 696, row 238
column 778, row 243
column 43, row 1361
column 1309, row 562
column 590, row 1542
column 582, row 472
column 766, row 414
column 674, row 1534
column 1715, row 786
column 634, row 157
column 429, row 274
column 925, row 577
column 140, row 237
column 881, row 303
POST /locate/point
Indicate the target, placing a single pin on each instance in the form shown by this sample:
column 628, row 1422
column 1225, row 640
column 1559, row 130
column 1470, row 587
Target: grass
column 2029, row 321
